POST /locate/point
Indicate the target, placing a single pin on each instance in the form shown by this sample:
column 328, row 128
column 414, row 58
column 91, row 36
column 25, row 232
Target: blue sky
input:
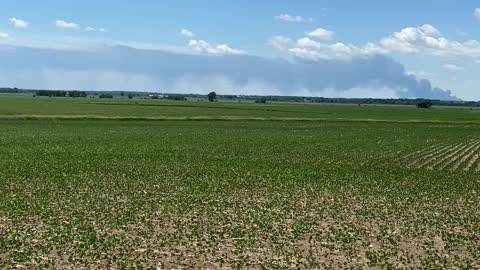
column 434, row 40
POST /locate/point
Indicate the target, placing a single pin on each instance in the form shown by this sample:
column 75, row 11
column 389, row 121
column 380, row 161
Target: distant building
column 157, row 96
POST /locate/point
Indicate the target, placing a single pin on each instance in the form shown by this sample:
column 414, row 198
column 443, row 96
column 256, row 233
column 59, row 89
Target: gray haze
column 125, row 68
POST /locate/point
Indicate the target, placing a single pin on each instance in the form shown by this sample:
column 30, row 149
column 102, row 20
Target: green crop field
column 95, row 184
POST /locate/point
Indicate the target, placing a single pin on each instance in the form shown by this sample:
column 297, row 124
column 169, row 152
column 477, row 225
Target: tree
column 212, row 96
column 106, row 96
column 424, row 104
column 48, row 93
column 76, row 94
column 261, row 100
column 130, row 96
column 176, row 97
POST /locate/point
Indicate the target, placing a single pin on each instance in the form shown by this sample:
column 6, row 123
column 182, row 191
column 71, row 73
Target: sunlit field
column 88, row 183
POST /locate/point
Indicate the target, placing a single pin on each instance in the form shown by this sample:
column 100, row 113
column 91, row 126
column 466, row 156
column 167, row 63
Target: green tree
column 106, row 96
column 212, row 96
column 261, row 100
column 424, row 104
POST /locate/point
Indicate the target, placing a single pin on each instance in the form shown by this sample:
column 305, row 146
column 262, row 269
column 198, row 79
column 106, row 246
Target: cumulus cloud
column 309, row 49
column 428, row 40
column 321, row 33
column 477, row 13
column 308, row 54
column 424, row 40
column 17, row 23
column 127, row 68
column 90, row 29
column 292, row 19
column 308, row 43
column 3, row 35
column 202, row 46
column 64, row 24
column 187, row 33
column 451, row 67
column 280, row 42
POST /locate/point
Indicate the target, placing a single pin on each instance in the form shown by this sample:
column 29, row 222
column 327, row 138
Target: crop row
column 459, row 156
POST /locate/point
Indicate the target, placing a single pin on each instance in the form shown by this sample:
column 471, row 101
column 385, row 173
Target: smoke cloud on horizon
column 130, row 69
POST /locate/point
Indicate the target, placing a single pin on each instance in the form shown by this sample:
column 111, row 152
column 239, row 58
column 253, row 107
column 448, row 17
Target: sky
column 341, row 48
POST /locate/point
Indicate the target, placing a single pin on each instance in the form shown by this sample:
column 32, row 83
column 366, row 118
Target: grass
column 14, row 105
column 90, row 193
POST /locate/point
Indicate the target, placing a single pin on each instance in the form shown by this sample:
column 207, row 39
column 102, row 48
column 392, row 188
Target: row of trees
column 77, row 94
column 49, row 93
column 9, row 90
column 73, row 94
column 420, row 103
column 212, row 97
column 106, row 96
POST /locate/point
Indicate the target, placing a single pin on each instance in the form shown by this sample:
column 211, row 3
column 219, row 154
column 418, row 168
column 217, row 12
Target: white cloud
column 451, row 67
column 477, row 13
column 308, row 43
column 17, row 23
column 371, row 48
column 3, row 35
column 427, row 40
column 90, row 29
column 420, row 74
column 187, row 33
column 424, row 40
column 307, row 54
column 280, row 42
column 337, row 50
column 293, row 19
column 202, row 46
column 321, row 33
column 343, row 49
column 102, row 30
column 64, row 24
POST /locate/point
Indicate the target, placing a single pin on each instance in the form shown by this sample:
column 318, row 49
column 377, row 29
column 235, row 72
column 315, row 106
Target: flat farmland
column 94, row 184
column 25, row 105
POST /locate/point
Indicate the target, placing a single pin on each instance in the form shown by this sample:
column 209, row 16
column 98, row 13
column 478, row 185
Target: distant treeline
column 373, row 101
column 11, row 90
column 58, row 93
column 175, row 97
column 258, row 99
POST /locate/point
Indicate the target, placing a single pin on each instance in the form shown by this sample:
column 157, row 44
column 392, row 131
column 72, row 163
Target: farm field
column 94, row 184
column 25, row 105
